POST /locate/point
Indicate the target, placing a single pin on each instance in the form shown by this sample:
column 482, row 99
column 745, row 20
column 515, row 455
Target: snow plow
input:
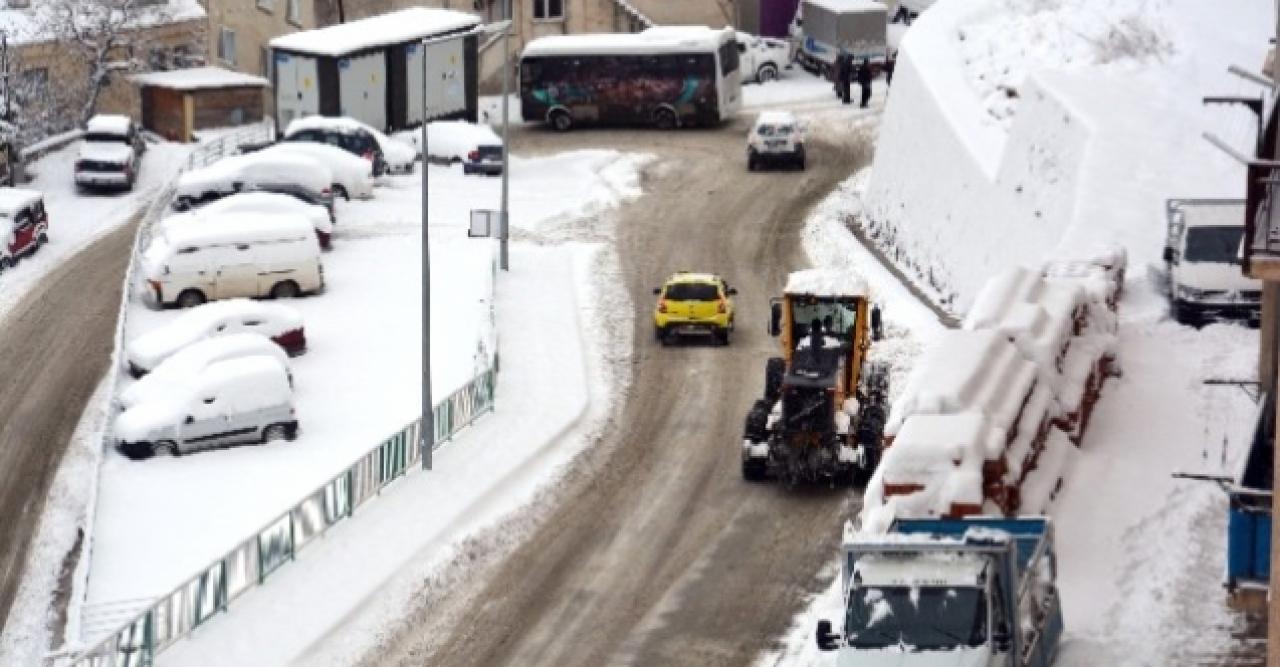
column 824, row 405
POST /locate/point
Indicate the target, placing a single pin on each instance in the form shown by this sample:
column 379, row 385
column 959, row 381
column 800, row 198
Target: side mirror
column 189, row 420
column 657, row 290
column 827, row 640
column 877, row 326
column 1169, row 255
column 1000, row 639
column 732, row 291
column 775, row 319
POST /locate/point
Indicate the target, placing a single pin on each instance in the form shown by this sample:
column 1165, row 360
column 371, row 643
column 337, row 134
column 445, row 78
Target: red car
column 24, row 224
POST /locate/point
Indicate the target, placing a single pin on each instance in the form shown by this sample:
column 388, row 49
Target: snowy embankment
column 1103, row 124
column 359, row 382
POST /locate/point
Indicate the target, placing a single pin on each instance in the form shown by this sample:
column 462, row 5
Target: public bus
column 667, row 77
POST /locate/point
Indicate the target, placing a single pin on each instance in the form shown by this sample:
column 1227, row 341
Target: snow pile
column 825, row 283
column 1019, row 131
column 976, row 417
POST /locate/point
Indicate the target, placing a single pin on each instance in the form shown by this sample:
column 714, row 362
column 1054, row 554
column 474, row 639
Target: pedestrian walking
column 843, row 72
column 864, row 80
column 889, row 64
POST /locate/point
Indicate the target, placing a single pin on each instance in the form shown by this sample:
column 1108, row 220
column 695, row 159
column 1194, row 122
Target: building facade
column 239, row 30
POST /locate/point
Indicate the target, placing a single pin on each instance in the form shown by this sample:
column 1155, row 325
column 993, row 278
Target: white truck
column 974, row 591
column 832, row 27
column 1202, row 256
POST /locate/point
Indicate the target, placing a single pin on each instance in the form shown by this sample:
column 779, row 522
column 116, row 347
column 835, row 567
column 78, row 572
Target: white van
column 242, row 255
column 233, row 402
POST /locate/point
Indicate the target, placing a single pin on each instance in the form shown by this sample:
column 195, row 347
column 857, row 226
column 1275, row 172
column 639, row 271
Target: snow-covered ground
column 161, row 520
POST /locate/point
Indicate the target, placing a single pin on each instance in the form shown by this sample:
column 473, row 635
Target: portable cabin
column 372, row 70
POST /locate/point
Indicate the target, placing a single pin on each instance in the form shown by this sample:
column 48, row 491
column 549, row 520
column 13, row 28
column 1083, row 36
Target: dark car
column 485, row 160
column 343, row 133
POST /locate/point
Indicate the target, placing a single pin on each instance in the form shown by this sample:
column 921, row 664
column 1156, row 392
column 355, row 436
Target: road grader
column 824, row 405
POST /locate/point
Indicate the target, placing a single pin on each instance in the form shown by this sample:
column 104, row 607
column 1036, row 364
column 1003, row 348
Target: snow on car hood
column 1213, row 276
column 148, row 421
column 900, row 657
column 106, row 151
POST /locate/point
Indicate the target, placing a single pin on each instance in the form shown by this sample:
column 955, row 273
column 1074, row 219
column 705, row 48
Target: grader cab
column 824, row 405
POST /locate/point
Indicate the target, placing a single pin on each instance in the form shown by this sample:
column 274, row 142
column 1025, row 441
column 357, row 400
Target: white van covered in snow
column 244, row 255
column 1202, row 255
column 232, row 402
column 182, row 370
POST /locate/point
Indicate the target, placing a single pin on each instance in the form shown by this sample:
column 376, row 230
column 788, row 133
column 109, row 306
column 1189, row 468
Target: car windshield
column 922, row 618
column 104, row 136
column 1218, row 245
column 775, row 130
column 692, row 292
column 837, row 318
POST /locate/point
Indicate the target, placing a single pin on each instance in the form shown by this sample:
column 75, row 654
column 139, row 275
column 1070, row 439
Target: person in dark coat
column 864, row 80
column 888, row 68
column 843, row 73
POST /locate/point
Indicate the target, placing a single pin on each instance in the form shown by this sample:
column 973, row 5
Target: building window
column 548, row 10
column 267, row 6
column 293, row 12
column 227, row 46
column 33, row 85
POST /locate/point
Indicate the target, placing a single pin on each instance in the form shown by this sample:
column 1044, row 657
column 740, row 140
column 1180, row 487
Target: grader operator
column 824, row 405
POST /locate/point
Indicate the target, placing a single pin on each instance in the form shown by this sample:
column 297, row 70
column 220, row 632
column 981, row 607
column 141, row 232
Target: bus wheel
column 664, row 119
column 561, row 120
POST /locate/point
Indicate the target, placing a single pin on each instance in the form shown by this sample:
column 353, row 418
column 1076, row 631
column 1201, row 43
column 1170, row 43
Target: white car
column 269, row 202
column 182, row 369
column 761, row 58
column 456, row 140
column 110, row 153
column 775, row 138
column 352, row 176
column 288, row 173
column 232, row 402
column 282, row 324
column 356, row 138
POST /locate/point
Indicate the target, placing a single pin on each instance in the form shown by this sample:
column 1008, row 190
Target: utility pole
column 504, row 215
column 1271, row 291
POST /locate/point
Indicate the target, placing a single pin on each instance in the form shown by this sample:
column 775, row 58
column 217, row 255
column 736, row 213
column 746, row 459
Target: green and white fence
column 250, row 563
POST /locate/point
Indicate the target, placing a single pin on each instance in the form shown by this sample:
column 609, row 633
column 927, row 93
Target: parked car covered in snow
column 110, row 153
column 1202, row 258
column 273, row 203
column 760, row 59
column 232, row 402
column 282, row 324
column 776, row 137
column 183, row 369
column 478, row 147
column 24, row 224
column 296, row 175
column 225, row 256
column 357, row 138
column 352, row 176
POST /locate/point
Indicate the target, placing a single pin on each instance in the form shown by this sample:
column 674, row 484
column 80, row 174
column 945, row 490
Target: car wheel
column 42, row 239
column 664, row 119
column 339, row 191
column 561, row 121
column 722, row 336
column 166, row 447
column 191, row 298
column 4, row 264
column 767, row 72
column 751, row 161
column 285, row 290
column 658, row 334
column 183, row 204
column 137, row 451
column 275, row 432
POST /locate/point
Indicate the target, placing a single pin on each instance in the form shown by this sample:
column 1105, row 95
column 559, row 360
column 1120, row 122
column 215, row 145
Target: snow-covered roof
column 826, row 283
column 108, row 124
column 239, row 227
column 14, row 199
column 199, row 78
column 666, row 39
column 776, row 118
column 267, row 202
column 848, row 5
column 406, row 25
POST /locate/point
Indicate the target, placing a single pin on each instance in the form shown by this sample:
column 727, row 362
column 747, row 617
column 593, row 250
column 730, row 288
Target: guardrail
column 250, row 563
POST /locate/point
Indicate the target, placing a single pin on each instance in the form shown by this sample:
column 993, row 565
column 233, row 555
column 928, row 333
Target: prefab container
column 372, row 70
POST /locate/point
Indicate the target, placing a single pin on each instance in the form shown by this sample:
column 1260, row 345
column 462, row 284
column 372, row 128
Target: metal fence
column 250, row 563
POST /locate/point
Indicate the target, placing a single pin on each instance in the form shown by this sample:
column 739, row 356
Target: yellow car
column 693, row 304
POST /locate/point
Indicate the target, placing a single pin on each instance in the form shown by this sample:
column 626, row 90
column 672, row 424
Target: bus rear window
column 728, row 58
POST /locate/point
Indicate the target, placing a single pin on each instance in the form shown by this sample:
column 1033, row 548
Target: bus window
column 728, row 59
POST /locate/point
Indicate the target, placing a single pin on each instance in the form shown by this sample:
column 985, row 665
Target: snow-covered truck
column 824, row 406
column 1202, row 258
column 833, row 27
column 976, row 591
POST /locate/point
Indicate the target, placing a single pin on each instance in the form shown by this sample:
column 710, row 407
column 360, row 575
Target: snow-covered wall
column 1021, row 129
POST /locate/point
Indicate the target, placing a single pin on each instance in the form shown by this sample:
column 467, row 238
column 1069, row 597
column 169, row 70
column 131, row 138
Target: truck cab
column 1202, row 258
column 955, row 592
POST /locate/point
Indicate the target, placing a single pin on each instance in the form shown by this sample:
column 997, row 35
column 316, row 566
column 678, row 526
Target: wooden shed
column 176, row 103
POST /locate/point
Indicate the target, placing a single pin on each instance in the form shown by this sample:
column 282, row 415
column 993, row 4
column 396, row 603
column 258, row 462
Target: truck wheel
column 756, row 428
column 753, row 471
column 285, row 290
column 191, row 298
column 1186, row 314
column 664, row 119
column 767, row 72
column 560, row 120
column 774, row 369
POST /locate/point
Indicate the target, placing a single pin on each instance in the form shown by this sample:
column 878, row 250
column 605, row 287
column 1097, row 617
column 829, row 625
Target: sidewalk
column 489, row 471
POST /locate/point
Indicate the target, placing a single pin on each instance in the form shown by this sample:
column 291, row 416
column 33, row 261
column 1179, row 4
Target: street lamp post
column 506, row 163
column 427, row 432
